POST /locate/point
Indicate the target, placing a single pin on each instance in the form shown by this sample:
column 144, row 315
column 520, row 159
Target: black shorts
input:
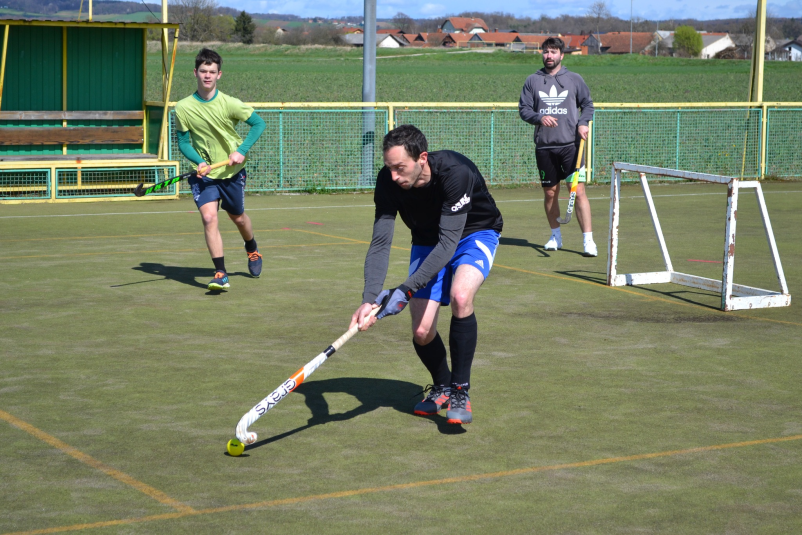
column 556, row 164
column 230, row 192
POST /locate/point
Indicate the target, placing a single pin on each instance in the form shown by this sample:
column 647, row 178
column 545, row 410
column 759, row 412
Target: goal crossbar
column 733, row 296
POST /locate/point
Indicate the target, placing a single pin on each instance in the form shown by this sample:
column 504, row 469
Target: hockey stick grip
column 140, row 192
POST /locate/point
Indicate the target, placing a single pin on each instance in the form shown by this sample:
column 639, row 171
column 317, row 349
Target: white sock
column 556, row 232
column 587, row 237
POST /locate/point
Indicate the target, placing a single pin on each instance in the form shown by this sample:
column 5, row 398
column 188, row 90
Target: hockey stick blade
column 272, row 399
column 141, row 191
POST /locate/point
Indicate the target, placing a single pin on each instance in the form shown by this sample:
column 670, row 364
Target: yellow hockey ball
column 235, row 447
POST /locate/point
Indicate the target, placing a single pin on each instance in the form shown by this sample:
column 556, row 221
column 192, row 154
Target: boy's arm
column 257, row 127
column 186, row 148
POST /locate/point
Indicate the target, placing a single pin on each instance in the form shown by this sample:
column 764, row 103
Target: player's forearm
column 526, row 106
column 257, row 125
column 451, row 227
column 586, row 103
column 378, row 258
column 186, row 148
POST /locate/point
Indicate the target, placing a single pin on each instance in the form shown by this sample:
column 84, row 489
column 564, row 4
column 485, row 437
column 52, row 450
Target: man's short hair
column 553, row 42
column 409, row 137
column 208, row 57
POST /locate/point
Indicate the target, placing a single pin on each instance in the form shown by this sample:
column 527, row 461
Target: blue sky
column 646, row 9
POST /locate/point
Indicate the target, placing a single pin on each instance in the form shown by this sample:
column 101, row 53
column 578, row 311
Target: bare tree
column 404, row 22
column 195, row 18
column 597, row 11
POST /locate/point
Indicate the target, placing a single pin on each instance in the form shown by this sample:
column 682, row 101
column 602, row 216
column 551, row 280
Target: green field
column 596, row 410
column 318, row 74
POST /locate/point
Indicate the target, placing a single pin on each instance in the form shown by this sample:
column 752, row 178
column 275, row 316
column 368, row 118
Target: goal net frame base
column 733, row 296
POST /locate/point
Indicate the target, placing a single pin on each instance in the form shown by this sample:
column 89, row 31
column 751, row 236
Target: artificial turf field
column 596, row 410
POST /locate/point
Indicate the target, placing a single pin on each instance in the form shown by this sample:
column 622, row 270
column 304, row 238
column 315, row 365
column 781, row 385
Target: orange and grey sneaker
column 459, row 407
column 219, row 282
column 435, row 399
column 255, row 263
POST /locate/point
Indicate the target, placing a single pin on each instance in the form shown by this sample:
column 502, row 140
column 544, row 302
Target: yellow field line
column 156, row 494
column 261, row 247
column 413, row 485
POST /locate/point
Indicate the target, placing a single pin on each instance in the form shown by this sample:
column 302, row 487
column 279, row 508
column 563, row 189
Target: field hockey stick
column 289, row 385
column 574, row 179
column 140, row 192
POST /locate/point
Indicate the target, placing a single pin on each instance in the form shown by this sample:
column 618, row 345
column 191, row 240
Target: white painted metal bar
column 612, row 241
column 688, row 175
column 634, row 279
column 769, row 301
column 775, row 254
column 658, row 231
column 729, row 244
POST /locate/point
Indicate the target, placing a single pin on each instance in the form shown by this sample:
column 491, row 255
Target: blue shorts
column 477, row 249
column 229, row 191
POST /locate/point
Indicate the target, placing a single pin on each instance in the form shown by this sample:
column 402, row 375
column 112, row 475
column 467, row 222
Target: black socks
column 433, row 356
column 250, row 245
column 462, row 342
column 219, row 263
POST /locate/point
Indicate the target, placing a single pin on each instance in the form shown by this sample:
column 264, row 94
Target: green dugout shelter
column 74, row 124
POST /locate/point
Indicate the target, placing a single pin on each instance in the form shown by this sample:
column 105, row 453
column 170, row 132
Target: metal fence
column 309, row 149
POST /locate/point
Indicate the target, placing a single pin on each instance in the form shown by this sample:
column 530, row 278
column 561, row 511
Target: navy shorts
column 477, row 249
column 556, row 164
column 229, row 191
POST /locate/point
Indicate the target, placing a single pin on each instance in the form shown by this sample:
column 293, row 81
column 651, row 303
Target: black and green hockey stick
column 139, row 191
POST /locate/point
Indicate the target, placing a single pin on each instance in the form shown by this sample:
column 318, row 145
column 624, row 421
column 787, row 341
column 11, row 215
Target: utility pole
column 368, row 92
column 630, row 26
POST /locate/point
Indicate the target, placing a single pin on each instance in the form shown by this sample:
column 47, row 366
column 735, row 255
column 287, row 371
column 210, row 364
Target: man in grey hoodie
column 551, row 99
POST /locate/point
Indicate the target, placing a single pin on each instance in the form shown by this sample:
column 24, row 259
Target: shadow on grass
column 184, row 275
column 597, row 277
column 372, row 395
column 520, row 242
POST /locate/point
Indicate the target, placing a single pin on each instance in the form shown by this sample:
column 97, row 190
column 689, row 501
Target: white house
column 383, row 40
column 712, row 43
column 793, row 49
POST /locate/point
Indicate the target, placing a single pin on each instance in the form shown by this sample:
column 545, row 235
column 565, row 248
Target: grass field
column 596, row 410
column 318, row 74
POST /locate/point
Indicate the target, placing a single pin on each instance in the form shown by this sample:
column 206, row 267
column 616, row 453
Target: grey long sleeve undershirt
column 378, row 257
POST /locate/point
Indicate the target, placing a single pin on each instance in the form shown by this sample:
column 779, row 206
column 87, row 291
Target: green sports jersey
column 211, row 126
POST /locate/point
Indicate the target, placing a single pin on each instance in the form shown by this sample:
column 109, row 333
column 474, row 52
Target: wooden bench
column 72, row 135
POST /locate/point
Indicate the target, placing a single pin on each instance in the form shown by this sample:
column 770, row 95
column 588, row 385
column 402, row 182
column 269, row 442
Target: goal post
column 733, row 296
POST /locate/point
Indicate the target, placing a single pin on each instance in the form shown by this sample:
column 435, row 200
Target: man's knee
column 209, row 217
column 423, row 334
column 462, row 299
column 238, row 220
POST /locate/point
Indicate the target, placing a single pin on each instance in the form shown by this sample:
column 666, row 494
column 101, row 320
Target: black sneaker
column 435, row 399
column 255, row 263
column 219, row 282
column 459, row 407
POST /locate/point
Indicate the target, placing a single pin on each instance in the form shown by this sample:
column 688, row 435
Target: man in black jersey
column 443, row 199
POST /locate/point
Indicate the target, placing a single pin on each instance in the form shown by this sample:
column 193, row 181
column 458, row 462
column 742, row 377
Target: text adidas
column 554, row 111
column 462, row 202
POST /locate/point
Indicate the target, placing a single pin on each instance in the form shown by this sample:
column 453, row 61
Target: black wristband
column 406, row 291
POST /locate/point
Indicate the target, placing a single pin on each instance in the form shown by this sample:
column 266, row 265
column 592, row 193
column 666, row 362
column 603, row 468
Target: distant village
column 467, row 32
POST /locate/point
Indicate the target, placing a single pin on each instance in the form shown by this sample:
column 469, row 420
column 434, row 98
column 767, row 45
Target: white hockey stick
column 574, row 179
column 289, row 385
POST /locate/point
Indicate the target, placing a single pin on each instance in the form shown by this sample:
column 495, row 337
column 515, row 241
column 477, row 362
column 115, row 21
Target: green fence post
column 281, row 149
column 676, row 166
column 492, row 139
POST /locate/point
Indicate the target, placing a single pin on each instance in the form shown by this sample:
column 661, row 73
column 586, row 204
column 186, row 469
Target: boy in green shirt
column 205, row 124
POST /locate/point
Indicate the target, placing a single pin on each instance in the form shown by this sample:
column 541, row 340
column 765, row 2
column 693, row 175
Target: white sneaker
column 554, row 243
column 590, row 249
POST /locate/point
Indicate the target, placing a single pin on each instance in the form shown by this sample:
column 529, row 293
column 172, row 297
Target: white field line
column 356, row 206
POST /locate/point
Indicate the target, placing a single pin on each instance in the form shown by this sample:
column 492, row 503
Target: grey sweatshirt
column 560, row 96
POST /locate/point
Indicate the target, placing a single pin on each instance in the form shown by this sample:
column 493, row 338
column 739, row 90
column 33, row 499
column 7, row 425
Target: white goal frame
column 733, row 296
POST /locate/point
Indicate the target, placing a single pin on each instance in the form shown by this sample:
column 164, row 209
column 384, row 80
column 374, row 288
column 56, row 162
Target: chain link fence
column 309, row 150
column 322, row 149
